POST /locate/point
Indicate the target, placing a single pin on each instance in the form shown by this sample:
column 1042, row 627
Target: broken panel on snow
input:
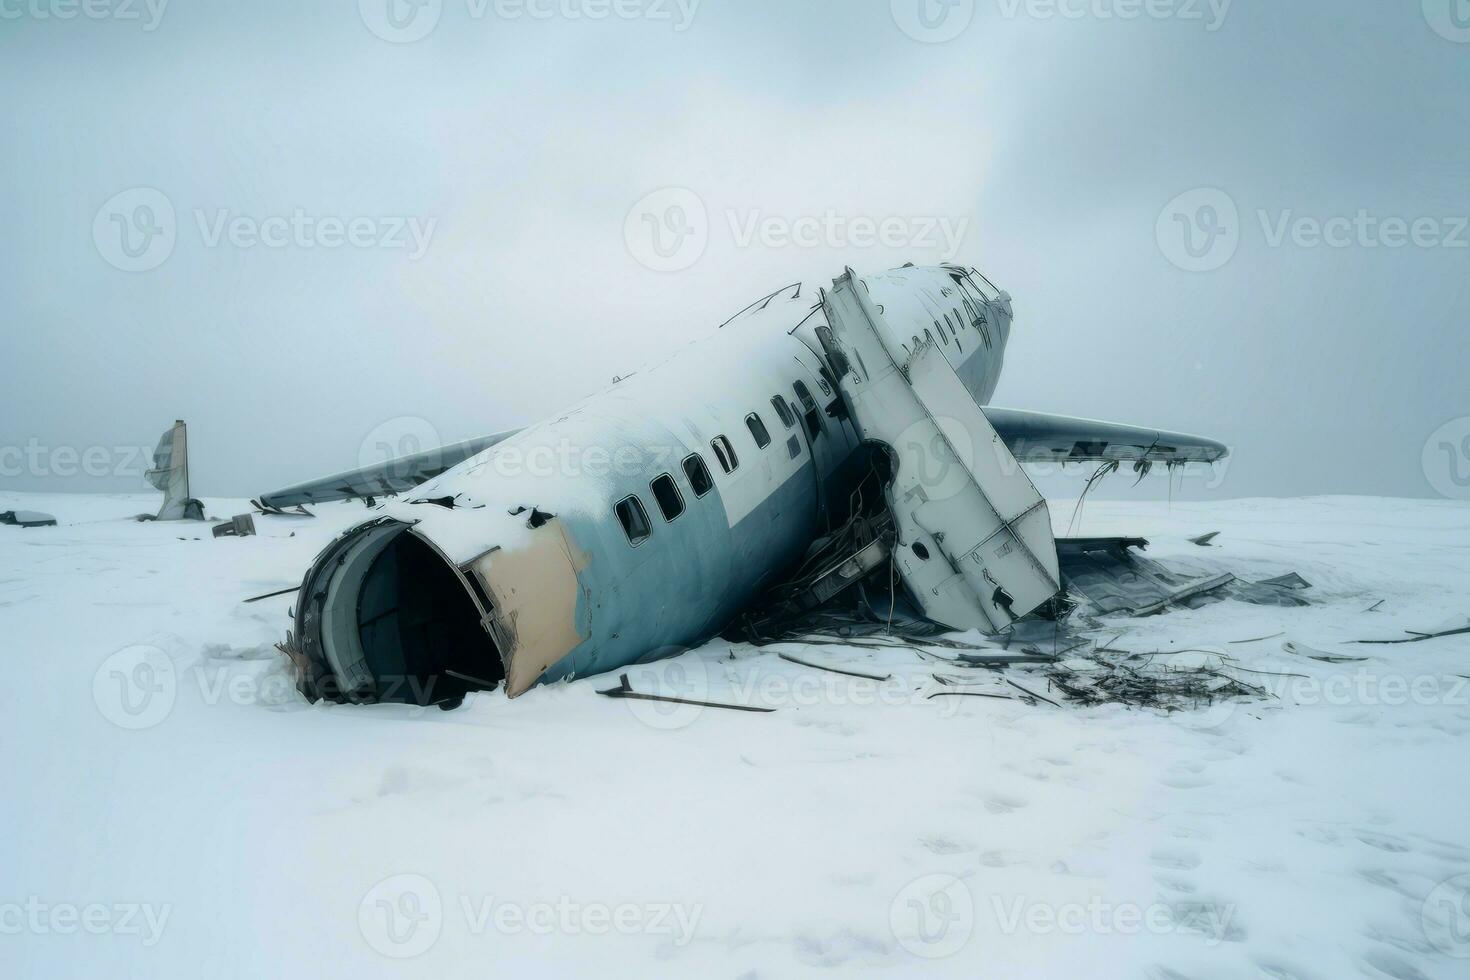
column 1108, row 575
column 974, row 539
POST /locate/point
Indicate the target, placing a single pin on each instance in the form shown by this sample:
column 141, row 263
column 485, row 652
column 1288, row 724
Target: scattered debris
column 1109, row 576
column 1419, row 637
column 848, row 673
column 1186, row 593
column 625, row 690
column 1374, row 607
column 1100, row 680
column 271, row 595
column 1204, row 539
column 273, row 511
column 1032, row 694
column 27, row 518
column 968, row 694
column 1291, row 580
column 239, row 526
column 1302, row 650
column 1259, row 639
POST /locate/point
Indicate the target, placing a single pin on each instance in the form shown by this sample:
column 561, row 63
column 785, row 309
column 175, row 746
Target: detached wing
column 382, row 479
column 1034, row 437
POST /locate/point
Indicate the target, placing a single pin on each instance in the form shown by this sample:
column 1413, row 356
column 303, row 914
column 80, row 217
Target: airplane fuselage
column 631, row 526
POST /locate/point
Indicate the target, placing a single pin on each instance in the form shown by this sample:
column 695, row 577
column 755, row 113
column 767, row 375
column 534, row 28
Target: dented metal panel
column 535, row 595
column 976, row 546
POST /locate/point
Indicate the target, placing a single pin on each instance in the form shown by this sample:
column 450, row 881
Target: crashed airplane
column 646, row 519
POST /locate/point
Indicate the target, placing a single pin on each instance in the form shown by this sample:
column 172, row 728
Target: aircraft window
column 782, row 412
column 813, row 415
column 793, row 446
column 758, row 430
column 929, row 335
column 634, row 520
column 698, row 474
column 942, row 335
column 725, row 453
column 670, row 500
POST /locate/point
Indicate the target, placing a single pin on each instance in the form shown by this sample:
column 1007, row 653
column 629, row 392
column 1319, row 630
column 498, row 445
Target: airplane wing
column 382, row 479
column 1034, row 437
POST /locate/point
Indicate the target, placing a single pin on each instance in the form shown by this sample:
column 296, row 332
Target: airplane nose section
column 385, row 617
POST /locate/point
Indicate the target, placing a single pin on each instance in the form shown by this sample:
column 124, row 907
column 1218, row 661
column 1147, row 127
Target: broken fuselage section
column 645, row 519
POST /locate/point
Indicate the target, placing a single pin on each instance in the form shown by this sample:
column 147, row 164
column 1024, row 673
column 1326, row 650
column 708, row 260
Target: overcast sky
column 311, row 229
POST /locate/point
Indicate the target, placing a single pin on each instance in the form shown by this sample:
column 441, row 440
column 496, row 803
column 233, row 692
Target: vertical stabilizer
column 170, row 473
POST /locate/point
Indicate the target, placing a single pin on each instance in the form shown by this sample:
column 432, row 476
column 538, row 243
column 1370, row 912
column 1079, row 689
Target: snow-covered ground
column 172, row 808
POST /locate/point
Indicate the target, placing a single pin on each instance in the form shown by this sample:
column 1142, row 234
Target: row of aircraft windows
column 666, row 493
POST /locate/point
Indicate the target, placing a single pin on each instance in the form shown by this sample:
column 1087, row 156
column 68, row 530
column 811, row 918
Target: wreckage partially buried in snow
column 651, row 516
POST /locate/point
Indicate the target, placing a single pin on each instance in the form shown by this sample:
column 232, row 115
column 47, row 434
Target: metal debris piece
column 1419, row 637
column 239, row 526
column 1204, row 539
column 1110, row 576
column 625, row 690
column 271, row 595
column 834, row 670
column 968, row 694
column 1291, row 580
column 1032, row 694
column 1186, row 593
column 1302, row 650
column 27, row 518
